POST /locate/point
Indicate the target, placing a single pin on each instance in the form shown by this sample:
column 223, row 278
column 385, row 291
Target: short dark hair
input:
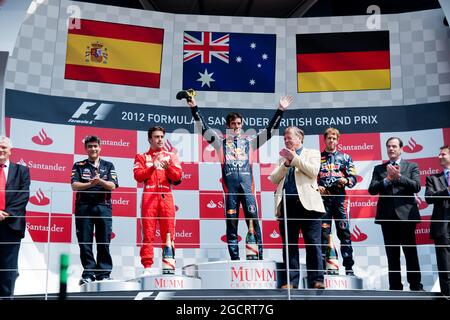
column 231, row 116
column 400, row 142
column 445, row 146
column 90, row 139
column 153, row 129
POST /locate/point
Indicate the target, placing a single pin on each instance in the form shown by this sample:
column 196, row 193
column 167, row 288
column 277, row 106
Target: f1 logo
column 100, row 113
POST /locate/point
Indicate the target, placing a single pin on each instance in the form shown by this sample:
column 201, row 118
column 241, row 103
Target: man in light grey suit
column 296, row 175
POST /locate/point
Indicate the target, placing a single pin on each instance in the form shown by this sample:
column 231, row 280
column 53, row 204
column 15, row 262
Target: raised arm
column 274, row 123
column 209, row 134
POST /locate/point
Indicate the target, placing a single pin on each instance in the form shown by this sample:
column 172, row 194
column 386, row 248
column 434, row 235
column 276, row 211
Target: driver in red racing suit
column 157, row 169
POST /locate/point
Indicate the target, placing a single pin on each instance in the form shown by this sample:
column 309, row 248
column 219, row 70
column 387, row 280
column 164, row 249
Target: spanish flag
column 343, row 61
column 114, row 53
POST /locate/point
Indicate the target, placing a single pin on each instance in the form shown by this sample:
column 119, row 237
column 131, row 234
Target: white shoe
column 151, row 272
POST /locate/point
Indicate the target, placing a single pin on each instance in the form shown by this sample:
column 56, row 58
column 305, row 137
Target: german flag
column 114, row 53
column 343, row 61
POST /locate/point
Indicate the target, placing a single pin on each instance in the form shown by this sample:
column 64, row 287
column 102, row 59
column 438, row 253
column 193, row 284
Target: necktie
column 2, row 187
column 290, row 177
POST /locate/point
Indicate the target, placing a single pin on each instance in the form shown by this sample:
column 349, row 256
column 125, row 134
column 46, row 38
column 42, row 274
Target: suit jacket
column 18, row 182
column 437, row 187
column 307, row 166
column 404, row 208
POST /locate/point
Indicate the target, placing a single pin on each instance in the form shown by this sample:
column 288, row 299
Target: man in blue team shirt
column 94, row 179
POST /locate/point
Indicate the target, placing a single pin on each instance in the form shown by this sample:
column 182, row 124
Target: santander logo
column 211, row 205
column 421, row 203
column 224, row 238
column 42, row 138
column 274, row 234
column 168, row 146
column 39, row 199
column 412, row 146
column 357, row 235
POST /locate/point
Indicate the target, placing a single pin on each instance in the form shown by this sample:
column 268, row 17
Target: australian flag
column 216, row 61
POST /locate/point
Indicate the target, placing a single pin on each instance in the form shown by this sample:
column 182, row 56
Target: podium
column 339, row 282
column 237, row 274
column 168, row 282
column 110, row 285
column 153, row 282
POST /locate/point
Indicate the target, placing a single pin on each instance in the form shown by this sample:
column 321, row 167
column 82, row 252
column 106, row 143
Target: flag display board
column 343, row 61
column 241, row 62
column 114, row 53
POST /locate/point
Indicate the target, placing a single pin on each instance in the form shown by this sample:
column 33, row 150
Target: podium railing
column 40, row 249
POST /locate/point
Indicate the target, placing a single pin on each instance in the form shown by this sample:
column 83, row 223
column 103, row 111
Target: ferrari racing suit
column 157, row 199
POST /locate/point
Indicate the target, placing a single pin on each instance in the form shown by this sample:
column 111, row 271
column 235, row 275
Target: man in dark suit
column 438, row 194
column 396, row 182
column 16, row 178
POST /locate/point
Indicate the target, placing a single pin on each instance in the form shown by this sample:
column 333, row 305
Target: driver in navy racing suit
column 337, row 171
column 237, row 178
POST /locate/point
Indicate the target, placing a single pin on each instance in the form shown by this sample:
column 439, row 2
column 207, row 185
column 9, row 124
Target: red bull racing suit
column 333, row 166
column 237, row 177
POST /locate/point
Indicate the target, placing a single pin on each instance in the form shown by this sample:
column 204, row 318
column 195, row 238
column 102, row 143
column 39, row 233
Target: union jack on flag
column 206, row 47
column 218, row 61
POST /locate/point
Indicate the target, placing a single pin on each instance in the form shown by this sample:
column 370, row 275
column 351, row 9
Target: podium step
column 237, row 274
column 110, row 285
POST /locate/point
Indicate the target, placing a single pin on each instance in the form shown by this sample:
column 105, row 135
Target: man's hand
column 397, row 172
column 287, row 154
column 343, row 181
column 164, row 164
column 192, row 103
column 323, row 190
column 95, row 180
column 3, row 215
column 393, row 172
column 285, row 101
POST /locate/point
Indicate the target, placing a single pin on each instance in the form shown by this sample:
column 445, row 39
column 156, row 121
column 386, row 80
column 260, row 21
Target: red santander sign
column 45, row 166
